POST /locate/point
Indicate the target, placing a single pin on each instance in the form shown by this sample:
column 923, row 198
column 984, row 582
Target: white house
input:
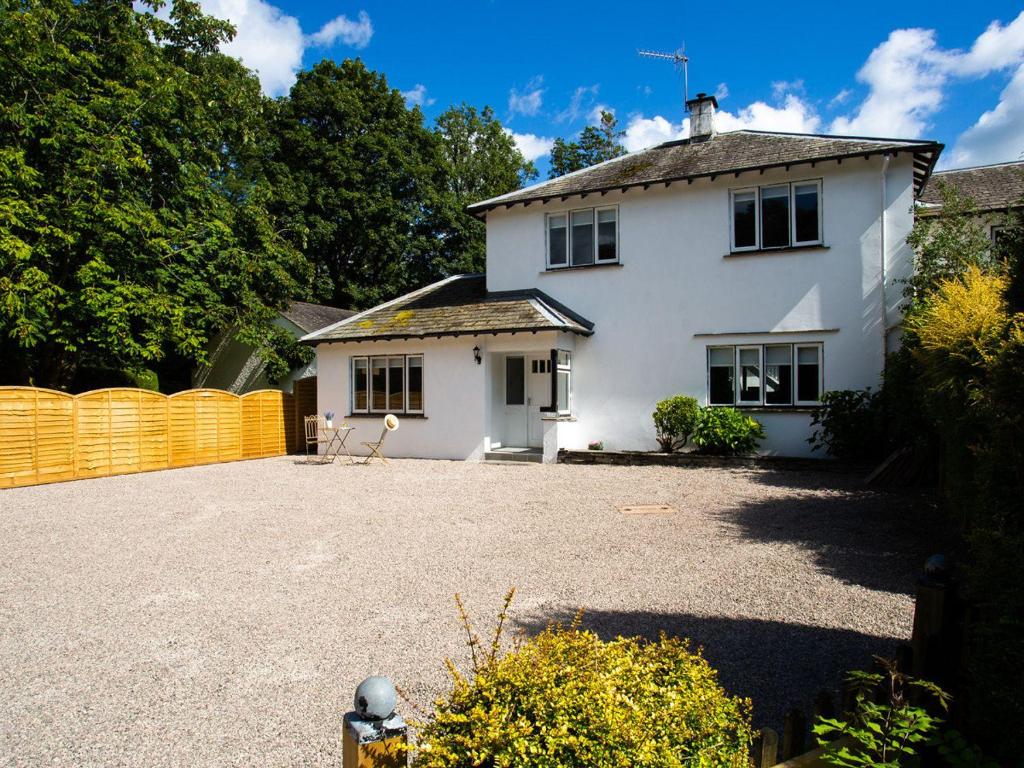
column 746, row 268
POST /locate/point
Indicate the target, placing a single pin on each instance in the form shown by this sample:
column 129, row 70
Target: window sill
column 771, row 408
column 556, row 417
column 385, row 413
column 552, row 270
column 770, row 251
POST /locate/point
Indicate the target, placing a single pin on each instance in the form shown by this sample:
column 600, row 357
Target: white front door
column 516, row 409
column 538, row 395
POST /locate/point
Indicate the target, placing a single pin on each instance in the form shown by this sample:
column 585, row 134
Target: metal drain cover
column 647, row 509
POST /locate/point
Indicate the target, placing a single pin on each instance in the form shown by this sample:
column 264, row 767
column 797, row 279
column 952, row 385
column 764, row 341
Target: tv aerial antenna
column 679, row 58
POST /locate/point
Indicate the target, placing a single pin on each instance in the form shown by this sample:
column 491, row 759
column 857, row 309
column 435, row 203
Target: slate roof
column 457, row 306
column 992, row 187
column 729, row 153
column 313, row 317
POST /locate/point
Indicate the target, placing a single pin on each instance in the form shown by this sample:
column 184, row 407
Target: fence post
column 794, row 730
column 765, row 748
column 374, row 736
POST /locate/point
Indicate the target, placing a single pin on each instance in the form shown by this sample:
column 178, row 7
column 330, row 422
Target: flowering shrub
column 568, row 698
column 595, row 445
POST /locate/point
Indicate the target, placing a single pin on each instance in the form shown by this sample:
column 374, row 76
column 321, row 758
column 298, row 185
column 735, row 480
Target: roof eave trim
column 480, row 209
column 451, row 334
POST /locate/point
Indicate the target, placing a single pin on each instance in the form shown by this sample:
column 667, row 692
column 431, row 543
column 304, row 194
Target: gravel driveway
column 222, row 615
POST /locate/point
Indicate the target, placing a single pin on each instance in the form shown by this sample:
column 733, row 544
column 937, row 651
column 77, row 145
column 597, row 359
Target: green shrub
column 726, row 431
column 849, row 425
column 567, row 698
column 675, row 418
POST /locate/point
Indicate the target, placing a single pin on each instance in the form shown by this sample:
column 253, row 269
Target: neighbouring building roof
column 992, row 187
column 313, row 317
column 735, row 152
column 457, row 306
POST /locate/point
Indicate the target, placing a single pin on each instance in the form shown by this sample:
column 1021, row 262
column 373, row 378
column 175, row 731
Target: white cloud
column 998, row 135
column 417, row 96
column 722, row 91
column 531, row 145
column 908, row 74
column 840, row 98
column 355, row 34
column 582, row 97
column 271, row 42
column 792, row 114
column 529, row 101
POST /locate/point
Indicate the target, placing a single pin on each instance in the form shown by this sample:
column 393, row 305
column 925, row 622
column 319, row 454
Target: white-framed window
column 583, row 237
column 563, row 382
column 775, row 216
column 809, row 374
column 387, row 384
column 765, row 374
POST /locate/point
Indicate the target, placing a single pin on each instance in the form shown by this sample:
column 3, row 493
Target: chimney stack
column 702, row 116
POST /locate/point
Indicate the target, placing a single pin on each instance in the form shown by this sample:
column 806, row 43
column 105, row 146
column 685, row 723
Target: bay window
column 387, row 384
column 583, row 238
column 763, row 374
column 776, row 216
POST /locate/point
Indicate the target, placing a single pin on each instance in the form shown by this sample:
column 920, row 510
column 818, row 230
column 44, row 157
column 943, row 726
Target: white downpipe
column 882, row 256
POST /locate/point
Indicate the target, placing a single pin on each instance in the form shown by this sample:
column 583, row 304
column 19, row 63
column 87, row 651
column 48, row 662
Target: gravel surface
column 223, row 615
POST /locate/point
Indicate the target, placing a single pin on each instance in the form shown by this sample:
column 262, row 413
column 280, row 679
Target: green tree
column 131, row 228
column 481, row 161
column 596, row 143
column 360, row 182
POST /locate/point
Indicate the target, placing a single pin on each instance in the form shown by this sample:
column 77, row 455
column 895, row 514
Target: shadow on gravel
column 776, row 665
column 874, row 539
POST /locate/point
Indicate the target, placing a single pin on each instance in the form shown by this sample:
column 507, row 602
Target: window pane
column 378, row 383
column 606, row 235
column 582, row 237
column 396, row 384
column 562, row 391
column 415, row 375
column 778, row 375
column 744, row 226
column 359, row 384
column 564, row 359
column 557, row 239
column 750, row 375
column 515, row 377
column 808, row 375
column 774, row 216
column 721, row 389
column 805, row 201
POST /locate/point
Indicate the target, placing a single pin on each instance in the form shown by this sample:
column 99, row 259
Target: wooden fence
column 48, row 436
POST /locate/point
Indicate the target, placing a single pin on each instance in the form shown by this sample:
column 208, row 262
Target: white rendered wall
column 677, row 292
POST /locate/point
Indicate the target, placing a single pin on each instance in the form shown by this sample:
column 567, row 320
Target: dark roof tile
column 313, row 317
column 991, row 187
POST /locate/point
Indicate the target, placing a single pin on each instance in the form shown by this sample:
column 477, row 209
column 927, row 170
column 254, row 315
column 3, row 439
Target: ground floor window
column 387, row 384
column 563, row 382
column 763, row 374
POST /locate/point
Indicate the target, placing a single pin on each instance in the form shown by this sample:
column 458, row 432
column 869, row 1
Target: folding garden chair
column 390, row 425
column 315, row 433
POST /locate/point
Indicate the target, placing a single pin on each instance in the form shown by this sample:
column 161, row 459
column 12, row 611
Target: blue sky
column 951, row 72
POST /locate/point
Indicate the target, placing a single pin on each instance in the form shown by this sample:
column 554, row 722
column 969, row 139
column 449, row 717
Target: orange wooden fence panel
column 48, row 436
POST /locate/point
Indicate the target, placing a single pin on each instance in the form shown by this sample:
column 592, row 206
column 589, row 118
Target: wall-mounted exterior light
column 476, row 355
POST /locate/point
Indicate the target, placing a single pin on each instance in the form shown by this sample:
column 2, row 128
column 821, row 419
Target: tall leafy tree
column 481, row 161
column 360, row 181
column 595, row 144
column 131, row 228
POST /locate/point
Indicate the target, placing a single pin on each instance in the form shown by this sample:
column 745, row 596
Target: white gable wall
column 676, row 283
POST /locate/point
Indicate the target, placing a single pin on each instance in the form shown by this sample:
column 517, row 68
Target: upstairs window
column 583, row 238
column 776, row 216
column 763, row 374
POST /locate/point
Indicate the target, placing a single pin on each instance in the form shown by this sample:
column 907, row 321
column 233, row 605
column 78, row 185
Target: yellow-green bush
column 567, row 698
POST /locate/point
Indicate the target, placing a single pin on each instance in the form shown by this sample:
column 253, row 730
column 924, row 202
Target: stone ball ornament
column 376, row 698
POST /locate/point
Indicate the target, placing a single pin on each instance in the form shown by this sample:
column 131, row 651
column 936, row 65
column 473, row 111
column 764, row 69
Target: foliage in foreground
column 885, row 734
column 567, row 698
column 848, row 424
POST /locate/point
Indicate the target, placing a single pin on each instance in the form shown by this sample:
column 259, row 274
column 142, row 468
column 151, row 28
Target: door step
column 535, row 455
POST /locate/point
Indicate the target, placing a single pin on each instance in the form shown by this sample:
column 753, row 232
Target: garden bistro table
column 336, row 437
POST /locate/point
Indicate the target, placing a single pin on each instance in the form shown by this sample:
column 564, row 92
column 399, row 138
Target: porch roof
column 458, row 306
